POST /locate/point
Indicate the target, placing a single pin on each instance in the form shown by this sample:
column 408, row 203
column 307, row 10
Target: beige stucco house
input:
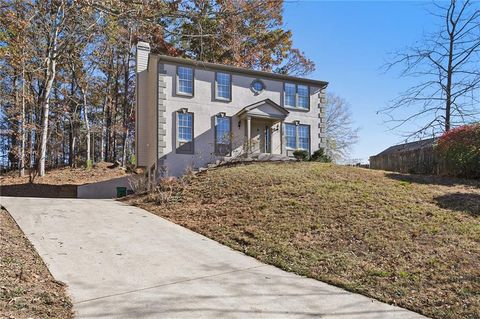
column 191, row 113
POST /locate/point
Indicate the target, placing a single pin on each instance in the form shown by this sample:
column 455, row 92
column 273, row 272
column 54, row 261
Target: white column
column 249, row 135
column 281, row 137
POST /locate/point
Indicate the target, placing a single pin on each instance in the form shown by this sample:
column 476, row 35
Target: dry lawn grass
column 27, row 289
column 67, row 175
column 407, row 240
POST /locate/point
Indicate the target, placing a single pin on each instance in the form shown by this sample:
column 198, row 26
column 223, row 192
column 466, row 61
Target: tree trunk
column 126, row 88
column 31, row 138
column 114, row 112
column 103, row 132
column 49, row 77
column 21, row 163
column 85, row 119
column 448, row 89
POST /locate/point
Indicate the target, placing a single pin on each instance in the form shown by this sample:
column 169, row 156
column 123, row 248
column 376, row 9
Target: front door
column 268, row 139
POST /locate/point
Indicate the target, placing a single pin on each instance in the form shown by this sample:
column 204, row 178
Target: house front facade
column 191, row 113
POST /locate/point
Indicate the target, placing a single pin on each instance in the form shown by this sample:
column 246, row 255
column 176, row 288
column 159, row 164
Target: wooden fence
column 418, row 161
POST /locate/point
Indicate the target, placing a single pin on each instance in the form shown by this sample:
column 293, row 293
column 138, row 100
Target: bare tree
column 446, row 66
column 340, row 132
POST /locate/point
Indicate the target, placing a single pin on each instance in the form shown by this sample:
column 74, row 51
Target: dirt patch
column 60, row 182
column 68, row 176
column 27, row 289
column 399, row 241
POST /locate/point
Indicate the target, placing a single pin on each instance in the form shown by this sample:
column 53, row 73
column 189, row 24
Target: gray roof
column 235, row 69
column 409, row 146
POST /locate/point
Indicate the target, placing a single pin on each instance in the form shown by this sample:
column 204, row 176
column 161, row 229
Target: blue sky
column 349, row 41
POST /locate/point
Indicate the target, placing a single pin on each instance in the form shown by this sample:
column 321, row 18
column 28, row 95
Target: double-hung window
column 303, row 97
column 303, row 137
column 296, row 96
column 291, row 135
column 290, row 95
column 184, row 80
column 297, row 136
column 223, row 139
column 184, row 132
column 223, row 86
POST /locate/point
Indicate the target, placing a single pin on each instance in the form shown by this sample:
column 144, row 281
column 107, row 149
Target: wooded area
column 67, row 73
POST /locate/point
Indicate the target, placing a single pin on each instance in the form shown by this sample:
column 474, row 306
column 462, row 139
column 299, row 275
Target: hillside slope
column 413, row 241
column 67, row 175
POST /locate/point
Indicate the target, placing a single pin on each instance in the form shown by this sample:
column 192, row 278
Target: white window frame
column 296, row 106
column 286, row 143
column 217, row 151
column 178, row 82
column 220, row 98
column 297, row 136
column 179, row 143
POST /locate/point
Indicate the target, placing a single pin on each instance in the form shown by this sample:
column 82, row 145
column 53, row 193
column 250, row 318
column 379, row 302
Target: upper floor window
column 184, row 132
column 303, row 96
column 223, row 138
column 184, row 80
column 297, row 95
column 223, row 89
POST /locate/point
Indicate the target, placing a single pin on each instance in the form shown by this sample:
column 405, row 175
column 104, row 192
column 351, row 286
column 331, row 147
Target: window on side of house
column 303, row 137
column 223, row 89
column 297, row 96
column 184, row 80
column 297, row 136
column 185, row 132
column 223, row 140
column 290, row 94
column 291, row 136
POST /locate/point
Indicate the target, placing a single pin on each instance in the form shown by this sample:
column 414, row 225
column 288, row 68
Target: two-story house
column 190, row 113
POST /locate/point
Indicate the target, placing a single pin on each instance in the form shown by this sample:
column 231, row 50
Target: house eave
column 235, row 69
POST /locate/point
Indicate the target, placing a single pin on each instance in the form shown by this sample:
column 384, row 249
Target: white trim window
column 185, row 141
column 223, row 135
column 184, row 80
column 290, row 95
column 297, row 136
column 303, row 137
column 291, row 136
column 303, row 96
column 223, row 87
column 296, row 96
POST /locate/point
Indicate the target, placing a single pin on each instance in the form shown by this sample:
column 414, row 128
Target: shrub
column 133, row 160
column 320, row 156
column 89, row 164
column 138, row 183
column 459, row 149
column 301, row 155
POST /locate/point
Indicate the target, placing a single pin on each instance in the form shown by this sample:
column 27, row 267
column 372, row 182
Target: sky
column 349, row 41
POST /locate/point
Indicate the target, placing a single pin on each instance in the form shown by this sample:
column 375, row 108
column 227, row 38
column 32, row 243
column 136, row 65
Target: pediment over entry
column 264, row 109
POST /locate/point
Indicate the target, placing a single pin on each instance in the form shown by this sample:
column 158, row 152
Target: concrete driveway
column 123, row 262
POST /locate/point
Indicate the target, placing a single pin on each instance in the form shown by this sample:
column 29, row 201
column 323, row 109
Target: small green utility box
column 121, row 192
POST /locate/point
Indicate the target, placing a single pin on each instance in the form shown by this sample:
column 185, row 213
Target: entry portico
column 263, row 127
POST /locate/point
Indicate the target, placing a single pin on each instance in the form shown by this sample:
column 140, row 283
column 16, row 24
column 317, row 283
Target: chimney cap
column 143, row 46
